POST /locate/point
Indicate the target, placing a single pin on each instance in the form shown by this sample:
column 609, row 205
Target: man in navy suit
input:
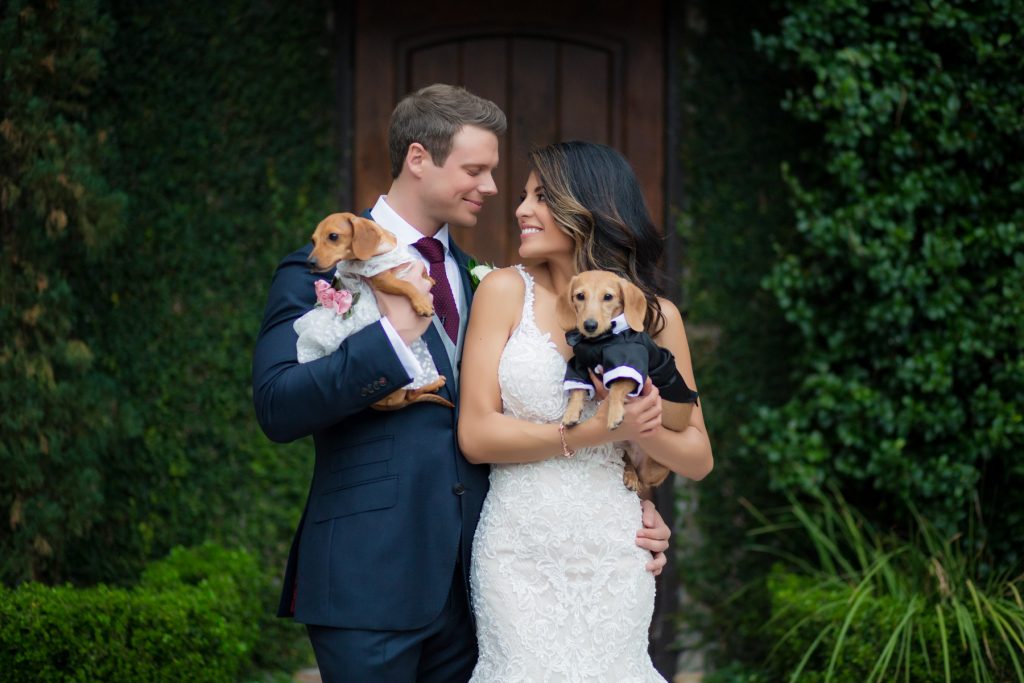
column 377, row 569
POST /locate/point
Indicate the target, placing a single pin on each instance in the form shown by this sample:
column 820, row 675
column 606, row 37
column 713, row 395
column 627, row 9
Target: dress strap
column 527, row 296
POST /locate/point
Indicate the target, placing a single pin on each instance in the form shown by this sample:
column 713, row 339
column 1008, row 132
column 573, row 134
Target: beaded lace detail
column 559, row 587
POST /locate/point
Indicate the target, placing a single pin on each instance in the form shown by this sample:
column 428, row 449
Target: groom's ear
column 416, row 157
column 564, row 309
column 366, row 237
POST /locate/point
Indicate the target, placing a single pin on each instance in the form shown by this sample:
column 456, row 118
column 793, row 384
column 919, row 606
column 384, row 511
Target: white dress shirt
column 388, row 219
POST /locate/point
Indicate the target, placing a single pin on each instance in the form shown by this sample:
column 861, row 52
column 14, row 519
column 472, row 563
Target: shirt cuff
column 572, row 385
column 624, row 371
column 402, row 350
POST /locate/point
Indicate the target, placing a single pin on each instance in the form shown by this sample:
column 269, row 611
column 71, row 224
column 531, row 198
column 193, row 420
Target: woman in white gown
column 559, row 588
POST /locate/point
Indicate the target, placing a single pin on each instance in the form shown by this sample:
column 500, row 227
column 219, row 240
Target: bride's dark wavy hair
column 594, row 195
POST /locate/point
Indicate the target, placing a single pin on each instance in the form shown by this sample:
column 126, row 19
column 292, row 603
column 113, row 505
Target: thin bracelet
column 566, row 451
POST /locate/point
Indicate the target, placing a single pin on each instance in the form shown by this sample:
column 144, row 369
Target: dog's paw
column 573, row 411
column 631, row 480
column 423, row 307
column 616, row 413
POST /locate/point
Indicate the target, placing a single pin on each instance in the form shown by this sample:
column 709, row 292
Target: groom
column 378, row 569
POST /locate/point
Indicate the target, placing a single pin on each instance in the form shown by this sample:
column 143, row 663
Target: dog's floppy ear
column 564, row 309
column 366, row 237
column 634, row 305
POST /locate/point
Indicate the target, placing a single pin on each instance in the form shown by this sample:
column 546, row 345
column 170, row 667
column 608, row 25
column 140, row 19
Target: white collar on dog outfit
column 619, row 324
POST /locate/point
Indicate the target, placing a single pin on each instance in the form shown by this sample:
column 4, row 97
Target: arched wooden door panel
column 550, row 89
column 595, row 77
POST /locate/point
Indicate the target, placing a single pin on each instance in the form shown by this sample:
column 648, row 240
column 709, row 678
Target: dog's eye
column 333, row 237
column 608, row 297
column 579, row 296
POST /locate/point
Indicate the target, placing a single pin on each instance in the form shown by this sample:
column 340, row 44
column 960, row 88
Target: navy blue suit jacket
column 392, row 503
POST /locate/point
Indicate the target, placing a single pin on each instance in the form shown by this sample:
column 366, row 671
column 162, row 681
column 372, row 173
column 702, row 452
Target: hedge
column 193, row 617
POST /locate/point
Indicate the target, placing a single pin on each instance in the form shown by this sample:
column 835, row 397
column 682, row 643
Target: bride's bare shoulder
column 501, row 291
column 502, row 282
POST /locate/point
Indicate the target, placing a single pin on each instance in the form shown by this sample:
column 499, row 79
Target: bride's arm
column 488, row 436
column 687, row 452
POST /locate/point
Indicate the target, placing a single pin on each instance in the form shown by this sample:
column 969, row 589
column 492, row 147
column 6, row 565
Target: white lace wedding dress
column 560, row 589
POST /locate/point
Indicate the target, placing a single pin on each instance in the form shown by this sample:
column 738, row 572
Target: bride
column 559, row 588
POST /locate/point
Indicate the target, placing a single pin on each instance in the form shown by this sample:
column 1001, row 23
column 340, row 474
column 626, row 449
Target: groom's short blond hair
column 432, row 116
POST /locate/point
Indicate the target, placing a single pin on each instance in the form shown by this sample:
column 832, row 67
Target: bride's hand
column 642, row 413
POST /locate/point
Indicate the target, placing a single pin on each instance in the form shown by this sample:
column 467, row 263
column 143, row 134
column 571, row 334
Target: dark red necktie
column 444, row 301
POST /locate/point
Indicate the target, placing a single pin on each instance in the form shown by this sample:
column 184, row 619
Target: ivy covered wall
column 158, row 160
column 856, row 237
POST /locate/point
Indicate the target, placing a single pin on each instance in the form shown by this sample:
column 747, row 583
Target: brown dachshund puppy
column 345, row 237
column 590, row 312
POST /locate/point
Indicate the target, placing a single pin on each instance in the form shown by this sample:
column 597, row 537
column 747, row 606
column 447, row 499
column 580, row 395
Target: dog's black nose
column 590, row 325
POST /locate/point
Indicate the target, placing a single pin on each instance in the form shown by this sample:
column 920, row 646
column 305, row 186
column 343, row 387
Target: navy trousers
column 444, row 651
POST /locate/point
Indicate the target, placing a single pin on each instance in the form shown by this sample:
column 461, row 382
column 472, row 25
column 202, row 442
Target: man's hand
column 654, row 537
column 398, row 310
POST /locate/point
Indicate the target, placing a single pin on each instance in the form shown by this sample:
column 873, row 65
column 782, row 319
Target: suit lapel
column 440, row 354
column 462, row 259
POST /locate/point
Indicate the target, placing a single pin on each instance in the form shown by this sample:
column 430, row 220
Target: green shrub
column 193, row 618
column 809, row 617
column 874, row 607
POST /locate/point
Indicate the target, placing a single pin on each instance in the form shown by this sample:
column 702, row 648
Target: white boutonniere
column 478, row 271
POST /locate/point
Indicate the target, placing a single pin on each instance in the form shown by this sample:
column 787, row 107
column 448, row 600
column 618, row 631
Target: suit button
column 458, row 489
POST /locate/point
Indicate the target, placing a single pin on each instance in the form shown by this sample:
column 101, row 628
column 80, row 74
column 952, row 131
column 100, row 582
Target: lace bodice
column 559, row 587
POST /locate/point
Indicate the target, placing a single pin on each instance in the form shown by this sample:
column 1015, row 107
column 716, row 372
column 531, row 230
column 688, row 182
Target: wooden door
column 589, row 70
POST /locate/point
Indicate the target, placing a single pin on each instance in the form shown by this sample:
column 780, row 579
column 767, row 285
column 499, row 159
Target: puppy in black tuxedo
column 603, row 315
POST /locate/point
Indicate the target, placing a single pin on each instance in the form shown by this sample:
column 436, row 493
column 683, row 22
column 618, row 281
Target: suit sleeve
column 295, row 399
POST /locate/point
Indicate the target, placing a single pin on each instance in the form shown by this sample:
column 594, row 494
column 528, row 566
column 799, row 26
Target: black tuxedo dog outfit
column 622, row 352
